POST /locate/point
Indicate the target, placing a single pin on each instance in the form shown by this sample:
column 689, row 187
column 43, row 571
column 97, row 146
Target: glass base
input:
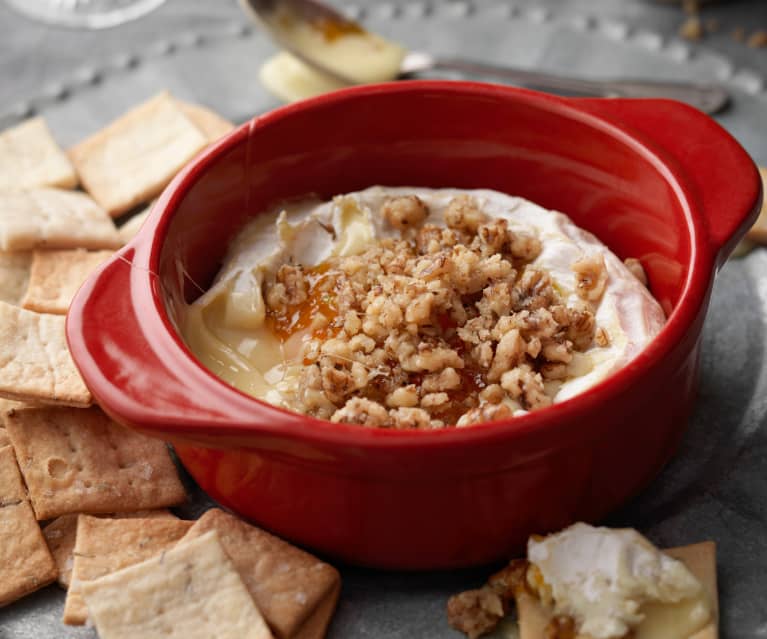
column 89, row 14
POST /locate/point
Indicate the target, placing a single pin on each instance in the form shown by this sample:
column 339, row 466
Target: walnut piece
column 591, row 277
column 475, row 612
column 405, row 212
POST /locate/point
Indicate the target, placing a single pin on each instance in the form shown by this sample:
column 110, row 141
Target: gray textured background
column 203, row 50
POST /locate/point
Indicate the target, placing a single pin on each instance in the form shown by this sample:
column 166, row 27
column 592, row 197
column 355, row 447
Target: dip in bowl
column 623, row 170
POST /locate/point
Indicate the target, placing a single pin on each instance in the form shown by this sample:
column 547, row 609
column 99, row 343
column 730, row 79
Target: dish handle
column 110, row 328
column 719, row 174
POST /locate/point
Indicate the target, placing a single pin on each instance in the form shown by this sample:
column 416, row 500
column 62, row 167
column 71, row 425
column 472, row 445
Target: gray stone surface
column 716, row 487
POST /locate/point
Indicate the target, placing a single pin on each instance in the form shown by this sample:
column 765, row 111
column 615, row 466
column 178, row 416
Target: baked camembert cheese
column 419, row 308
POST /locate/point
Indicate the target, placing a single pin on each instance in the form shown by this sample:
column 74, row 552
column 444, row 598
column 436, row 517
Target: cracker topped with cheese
column 597, row 583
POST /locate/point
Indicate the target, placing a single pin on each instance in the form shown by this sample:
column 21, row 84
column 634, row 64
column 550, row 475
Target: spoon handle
column 709, row 98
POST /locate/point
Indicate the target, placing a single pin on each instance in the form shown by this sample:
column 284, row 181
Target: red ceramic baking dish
column 652, row 179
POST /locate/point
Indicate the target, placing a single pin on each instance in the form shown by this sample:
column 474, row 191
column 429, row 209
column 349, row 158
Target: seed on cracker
column 189, row 592
column 758, row 232
column 212, row 125
column 25, row 561
column 700, row 560
column 132, row 226
column 14, row 275
column 296, row 592
column 30, row 157
column 80, row 461
column 55, row 277
column 35, row 364
column 136, row 156
column 54, row 219
column 104, row 546
column 60, row 536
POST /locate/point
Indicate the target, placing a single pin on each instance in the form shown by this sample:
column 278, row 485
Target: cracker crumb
column 757, row 40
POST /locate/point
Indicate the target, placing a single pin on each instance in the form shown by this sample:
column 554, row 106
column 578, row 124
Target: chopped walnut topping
column 523, row 384
column 405, row 212
column 463, row 214
column 485, row 413
column 289, row 289
column 447, row 379
column 413, row 418
column 591, row 277
column 476, row 612
column 493, row 394
column 359, row 410
column 405, row 397
column 436, row 326
column 432, row 400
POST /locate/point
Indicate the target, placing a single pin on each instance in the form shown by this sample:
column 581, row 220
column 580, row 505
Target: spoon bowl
column 319, row 36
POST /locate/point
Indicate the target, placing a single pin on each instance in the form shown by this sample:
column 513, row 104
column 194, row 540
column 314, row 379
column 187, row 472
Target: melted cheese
column 226, row 327
column 615, row 581
column 289, row 79
column 357, row 55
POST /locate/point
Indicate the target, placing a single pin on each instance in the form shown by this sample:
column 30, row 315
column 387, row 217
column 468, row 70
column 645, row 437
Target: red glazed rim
column 559, row 419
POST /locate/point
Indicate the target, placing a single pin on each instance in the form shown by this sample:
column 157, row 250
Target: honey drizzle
column 298, row 317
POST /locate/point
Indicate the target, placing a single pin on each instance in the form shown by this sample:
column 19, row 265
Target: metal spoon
column 271, row 14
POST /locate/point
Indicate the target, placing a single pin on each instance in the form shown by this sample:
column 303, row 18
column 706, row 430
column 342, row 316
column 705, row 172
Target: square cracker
column 210, row 123
column 35, row 364
column 296, row 592
column 11, row 487
column 104, row 546
column 700, row 560
column 758, row 232
column 14, row 275
column 25, row 561
column 61, row 532
column 55, row 277
column 189, row 592
column 54, row 219
column 80, row 461
column 136, row 156
column 30, row 157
